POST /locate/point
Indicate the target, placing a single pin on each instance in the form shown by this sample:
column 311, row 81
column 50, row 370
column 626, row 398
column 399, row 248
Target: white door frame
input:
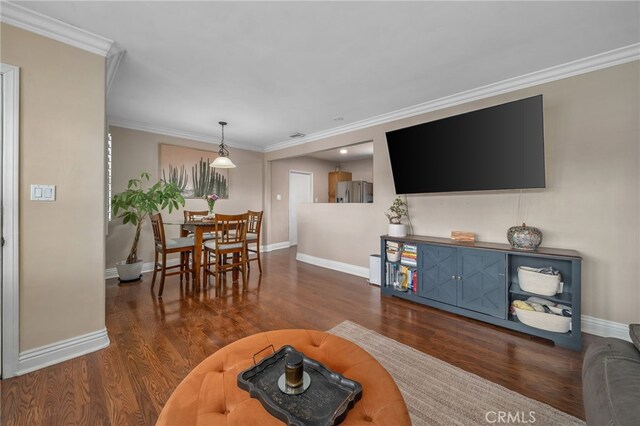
column 300, row 172
column 11, row 208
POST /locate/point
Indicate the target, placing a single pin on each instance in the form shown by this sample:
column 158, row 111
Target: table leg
column 197, row 255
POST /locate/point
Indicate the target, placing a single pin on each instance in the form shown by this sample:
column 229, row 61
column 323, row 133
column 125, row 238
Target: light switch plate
column 43, row 192
column 278, row 197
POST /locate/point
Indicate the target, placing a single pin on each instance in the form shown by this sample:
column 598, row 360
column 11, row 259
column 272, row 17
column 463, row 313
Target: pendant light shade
column 223, row 161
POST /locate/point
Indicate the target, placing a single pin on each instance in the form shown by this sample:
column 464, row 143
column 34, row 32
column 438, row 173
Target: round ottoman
column 209, row 395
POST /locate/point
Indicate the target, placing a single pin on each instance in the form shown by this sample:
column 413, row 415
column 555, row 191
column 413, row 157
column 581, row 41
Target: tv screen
column 500, row 147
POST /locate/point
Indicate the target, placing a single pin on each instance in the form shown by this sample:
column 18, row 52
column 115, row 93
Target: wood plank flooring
column 156, row 342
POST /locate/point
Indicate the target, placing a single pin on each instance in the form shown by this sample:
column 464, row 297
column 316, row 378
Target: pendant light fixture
column 223, row 161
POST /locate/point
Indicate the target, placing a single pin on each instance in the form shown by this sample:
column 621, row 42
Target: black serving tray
column 325, row 402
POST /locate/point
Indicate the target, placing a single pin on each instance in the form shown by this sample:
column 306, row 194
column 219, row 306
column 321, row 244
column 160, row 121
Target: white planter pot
column 397, row 230
column 129, row 271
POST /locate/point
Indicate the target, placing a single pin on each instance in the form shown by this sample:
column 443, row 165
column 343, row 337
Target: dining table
column 198, row 228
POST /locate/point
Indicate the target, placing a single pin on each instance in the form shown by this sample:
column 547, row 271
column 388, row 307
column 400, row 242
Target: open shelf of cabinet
column 480, row 280
column 563, row 298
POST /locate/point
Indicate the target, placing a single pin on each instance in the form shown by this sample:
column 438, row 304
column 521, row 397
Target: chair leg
column 206, row 261
column 258, row 254
column 155, row 269
column 181, row 266
column 245, row 264
column 162, row 273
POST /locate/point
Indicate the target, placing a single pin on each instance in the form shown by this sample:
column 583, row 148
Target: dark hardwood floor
column 156, row 342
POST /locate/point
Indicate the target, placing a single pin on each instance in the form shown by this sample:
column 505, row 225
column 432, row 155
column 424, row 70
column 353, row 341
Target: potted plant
column 396, row 212
column 134, row 205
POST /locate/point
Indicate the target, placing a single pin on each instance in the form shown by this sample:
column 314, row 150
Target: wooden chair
column 162, row 247
column 254, row 225
column 230, row 239
column 189, row 216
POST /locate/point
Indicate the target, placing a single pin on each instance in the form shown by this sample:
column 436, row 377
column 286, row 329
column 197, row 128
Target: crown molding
column 38, row 23
column 143, row 127
column 569, row 69
column 114, row 57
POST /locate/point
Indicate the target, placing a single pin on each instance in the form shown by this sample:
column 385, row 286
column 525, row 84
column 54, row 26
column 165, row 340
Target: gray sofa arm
column 611, row 384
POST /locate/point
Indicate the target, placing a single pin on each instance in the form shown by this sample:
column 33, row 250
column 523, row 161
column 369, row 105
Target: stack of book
column 409, row 255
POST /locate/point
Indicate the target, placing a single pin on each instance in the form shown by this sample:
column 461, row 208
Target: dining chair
column 230, row 239
column 193, row 215
column 254, row 225
column 163, row 247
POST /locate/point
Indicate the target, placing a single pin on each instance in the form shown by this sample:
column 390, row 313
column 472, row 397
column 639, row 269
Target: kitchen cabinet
column 334, row 178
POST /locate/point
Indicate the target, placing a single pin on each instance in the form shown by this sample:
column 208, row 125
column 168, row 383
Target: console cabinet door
column 437, row 273
column 483, row 285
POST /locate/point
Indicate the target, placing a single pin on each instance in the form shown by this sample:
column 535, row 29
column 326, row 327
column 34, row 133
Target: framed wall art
column 189, row 168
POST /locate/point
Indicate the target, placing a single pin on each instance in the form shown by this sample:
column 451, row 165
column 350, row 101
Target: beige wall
column 591, row 203
column 280, row 185
column 360, row 169
column 135, row 151
column 62, row 98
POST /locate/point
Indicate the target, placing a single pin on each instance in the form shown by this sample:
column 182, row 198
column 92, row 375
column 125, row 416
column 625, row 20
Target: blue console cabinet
column 480, row 280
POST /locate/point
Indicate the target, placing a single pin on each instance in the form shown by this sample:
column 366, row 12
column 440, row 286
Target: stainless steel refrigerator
column 354, row 191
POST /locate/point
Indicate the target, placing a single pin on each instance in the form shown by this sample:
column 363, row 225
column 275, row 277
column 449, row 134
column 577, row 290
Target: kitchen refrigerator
column 354, row 191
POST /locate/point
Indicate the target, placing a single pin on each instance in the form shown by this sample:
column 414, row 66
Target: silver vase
column 524, row 237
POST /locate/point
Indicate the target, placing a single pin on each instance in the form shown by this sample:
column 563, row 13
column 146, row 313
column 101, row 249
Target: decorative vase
column 397, row 230
column 524, row 237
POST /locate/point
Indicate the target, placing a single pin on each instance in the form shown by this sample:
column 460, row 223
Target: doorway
column 300, row 191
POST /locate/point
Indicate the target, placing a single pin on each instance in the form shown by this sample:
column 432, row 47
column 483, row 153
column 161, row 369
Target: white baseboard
column 146, row 267
column 347, row 268
column 275, row 246
column 47, row 355
column 605, row 328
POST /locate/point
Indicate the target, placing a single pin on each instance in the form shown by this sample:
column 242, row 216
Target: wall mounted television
column 501, row 147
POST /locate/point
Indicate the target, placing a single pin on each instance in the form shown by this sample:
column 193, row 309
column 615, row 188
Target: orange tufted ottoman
column 209, row 395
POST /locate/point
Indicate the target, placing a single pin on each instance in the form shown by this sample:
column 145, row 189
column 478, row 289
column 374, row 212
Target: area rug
column 438, row 393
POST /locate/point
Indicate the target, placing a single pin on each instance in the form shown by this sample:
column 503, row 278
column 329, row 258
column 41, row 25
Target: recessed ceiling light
column 338, row 119
column 343, row 151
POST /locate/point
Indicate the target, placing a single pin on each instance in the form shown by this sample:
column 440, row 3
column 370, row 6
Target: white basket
column 544, row 321
column 538, row 283
column 393, row 256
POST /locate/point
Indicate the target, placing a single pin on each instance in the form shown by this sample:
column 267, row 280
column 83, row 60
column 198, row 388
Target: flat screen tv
column 500, row 147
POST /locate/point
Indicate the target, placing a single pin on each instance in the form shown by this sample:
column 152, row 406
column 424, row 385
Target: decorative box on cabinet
column 480, row 280
column 334, row 178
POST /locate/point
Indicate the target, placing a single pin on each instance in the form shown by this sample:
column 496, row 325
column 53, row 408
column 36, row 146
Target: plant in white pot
column 396, row 212
column 133, row 206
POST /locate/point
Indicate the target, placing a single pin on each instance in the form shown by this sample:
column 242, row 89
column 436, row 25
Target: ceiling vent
column 297, row 135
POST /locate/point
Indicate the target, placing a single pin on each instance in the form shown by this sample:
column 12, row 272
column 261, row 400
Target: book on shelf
column 401, row 277
column 409, row 255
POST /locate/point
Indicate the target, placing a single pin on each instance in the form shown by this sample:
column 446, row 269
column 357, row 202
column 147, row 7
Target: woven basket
column 535, row 282
column 393, row 256
column 544, row 321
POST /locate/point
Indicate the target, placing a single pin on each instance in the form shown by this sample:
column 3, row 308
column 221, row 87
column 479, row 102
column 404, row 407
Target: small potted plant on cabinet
column 396, row 212
column 133, row 206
